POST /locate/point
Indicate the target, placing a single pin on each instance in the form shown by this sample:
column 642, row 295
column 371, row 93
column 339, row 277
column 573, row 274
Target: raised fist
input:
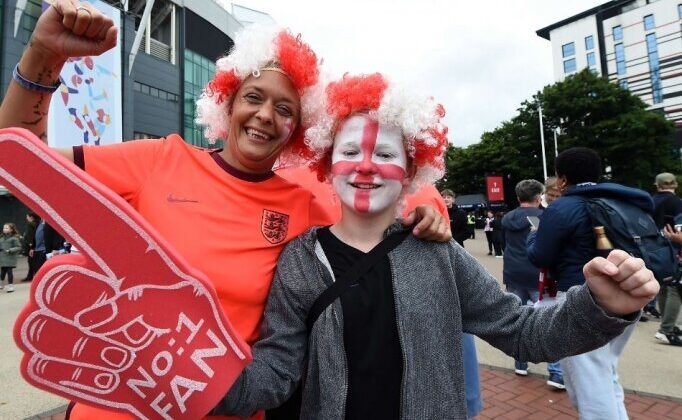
column 126, row 324
column 69, row 28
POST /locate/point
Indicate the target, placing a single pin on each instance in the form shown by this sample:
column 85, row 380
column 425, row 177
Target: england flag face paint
column 369, row 164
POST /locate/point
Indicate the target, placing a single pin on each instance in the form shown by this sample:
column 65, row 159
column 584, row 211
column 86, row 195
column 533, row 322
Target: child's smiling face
column 369, row 164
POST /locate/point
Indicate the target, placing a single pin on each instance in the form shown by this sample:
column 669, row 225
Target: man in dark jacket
column 29, row 240
column 563, row 243
column 458, row 219
column 520, row 275
column 667, row 206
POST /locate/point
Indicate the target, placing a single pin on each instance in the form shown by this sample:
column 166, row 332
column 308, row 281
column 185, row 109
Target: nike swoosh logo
column 172, row 199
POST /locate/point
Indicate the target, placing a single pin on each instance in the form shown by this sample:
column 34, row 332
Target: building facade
column 635, row 43
column 174, row 59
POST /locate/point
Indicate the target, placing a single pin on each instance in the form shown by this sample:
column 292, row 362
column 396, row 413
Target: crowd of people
column 38, row 243
column 397, row 339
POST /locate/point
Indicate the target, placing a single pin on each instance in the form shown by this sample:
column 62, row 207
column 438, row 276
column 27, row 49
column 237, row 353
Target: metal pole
column 542, row 143
column 556, row 148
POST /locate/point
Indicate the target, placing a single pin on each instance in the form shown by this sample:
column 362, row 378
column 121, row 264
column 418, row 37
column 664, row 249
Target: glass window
column 145, row 89
column 649, row 22
column 590, row 60
column 568, row 50
column 617, row 33
column 198, row 71
column 589, row 43
column 569, row 66
column 679, row 10
column 654, row 68
column 620, row 59
column 623, row 83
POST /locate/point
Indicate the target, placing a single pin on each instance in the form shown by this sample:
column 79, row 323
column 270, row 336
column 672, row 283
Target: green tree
column 589, row 111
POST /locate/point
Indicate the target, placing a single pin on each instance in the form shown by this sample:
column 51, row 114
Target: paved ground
column 651, row 372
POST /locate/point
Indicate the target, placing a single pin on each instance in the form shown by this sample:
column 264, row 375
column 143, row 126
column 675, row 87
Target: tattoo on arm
column 39, row 110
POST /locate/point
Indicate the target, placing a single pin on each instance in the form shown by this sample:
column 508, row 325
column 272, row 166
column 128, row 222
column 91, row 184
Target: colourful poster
column 87, row 108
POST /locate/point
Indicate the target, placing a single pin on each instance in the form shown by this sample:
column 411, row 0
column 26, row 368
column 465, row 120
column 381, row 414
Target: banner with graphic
column 87, row 108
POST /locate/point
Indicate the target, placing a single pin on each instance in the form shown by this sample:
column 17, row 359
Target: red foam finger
column 84, row 211
column 153, row 297
column 58, row 340
column 66, row 288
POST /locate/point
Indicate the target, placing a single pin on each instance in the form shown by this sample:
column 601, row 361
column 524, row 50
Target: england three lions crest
column 274, row 226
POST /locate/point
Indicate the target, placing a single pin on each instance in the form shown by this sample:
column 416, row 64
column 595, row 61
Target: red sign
column 495, row 188
column 125, row 323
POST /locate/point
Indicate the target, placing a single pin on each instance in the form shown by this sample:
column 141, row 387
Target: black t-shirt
column 370, row 335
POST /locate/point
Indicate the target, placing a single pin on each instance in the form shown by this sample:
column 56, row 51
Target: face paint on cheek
column 363, row 169
column 287, row 131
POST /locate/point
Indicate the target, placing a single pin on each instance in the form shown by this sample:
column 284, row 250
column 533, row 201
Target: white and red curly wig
column 256, row 48
column 418, row 117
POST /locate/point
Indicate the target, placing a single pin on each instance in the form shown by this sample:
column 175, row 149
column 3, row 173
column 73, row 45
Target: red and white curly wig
column 418, row 117
column 258, row 47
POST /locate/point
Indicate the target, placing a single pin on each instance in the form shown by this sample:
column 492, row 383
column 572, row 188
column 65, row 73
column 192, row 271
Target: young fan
column 390, row 345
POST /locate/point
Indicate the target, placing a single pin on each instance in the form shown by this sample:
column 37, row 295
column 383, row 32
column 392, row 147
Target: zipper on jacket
column 400, row 337
column 323, row 271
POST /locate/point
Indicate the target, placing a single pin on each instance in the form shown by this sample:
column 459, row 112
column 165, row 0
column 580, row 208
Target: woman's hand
column 70, row 28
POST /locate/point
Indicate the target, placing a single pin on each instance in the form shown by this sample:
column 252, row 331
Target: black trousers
column 34, row 264
column 489, row 238
column 7, row 272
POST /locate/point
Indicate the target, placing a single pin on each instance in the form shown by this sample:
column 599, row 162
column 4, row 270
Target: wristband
column 32, row 86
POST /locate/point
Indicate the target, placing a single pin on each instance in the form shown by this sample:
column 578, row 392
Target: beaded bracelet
column 32, row 86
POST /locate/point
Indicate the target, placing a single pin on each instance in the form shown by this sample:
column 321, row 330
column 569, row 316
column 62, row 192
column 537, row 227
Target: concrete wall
column 574, row 32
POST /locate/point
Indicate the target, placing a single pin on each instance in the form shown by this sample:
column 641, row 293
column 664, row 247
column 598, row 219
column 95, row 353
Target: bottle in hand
column 602, row 243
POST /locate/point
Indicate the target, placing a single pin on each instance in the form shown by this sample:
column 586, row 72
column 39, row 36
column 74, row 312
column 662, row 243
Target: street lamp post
column 542, row 143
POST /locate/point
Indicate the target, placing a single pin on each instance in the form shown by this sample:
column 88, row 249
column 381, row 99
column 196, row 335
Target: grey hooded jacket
column 440, row 291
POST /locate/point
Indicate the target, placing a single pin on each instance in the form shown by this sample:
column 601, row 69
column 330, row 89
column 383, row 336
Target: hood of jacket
column 610, row 190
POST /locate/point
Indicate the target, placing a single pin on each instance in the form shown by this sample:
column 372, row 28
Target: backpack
column 633, row 230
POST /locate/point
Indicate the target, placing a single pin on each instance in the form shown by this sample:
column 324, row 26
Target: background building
column 162, row 77
column 635, row 43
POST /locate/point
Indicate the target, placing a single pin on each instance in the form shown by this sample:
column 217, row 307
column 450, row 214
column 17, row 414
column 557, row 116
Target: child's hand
column 620, row 283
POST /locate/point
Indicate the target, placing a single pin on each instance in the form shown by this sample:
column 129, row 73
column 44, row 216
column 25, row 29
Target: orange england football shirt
column 231, row 226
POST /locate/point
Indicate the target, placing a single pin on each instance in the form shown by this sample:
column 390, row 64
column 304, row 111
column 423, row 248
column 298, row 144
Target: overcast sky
column 480, row 59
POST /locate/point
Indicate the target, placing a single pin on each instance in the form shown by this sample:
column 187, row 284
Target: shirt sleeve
column 429, row 196
column 123, row 167
column 574, row 326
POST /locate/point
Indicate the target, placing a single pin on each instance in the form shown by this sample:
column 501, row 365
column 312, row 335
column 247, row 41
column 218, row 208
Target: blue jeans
column 592, row 380
column 472, row 385
column 528, row 296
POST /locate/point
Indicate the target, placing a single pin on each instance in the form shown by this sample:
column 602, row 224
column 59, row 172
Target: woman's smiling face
column 263, row 117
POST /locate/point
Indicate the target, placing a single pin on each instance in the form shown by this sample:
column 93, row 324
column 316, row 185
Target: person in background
column 29, row 244
column 667, row 207
column 10, row 247
column 471, row 225
column 497, row 234
column 519, row 275
column 458, row 219
column 563, row 243
column 488, row 230
column 552, row 192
